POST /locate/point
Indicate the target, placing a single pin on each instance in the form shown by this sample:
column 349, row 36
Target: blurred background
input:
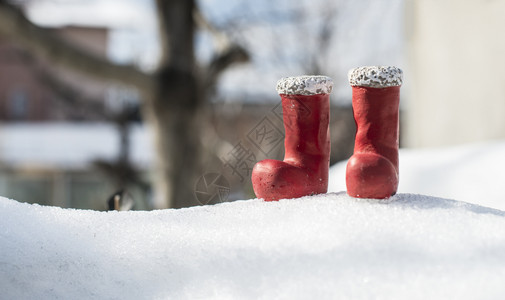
column 172, row 102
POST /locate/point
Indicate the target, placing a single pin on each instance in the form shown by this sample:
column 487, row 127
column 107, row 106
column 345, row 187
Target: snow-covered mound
column 473, row 173
column 321, row 247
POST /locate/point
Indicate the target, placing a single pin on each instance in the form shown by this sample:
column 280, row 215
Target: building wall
column 24, row 96
column 21, row 95
column 91, row 39
column 94, row 41
column 456, row 72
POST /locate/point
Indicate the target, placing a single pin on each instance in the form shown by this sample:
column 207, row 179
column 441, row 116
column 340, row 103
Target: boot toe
column 273, row 180
column 371, row 175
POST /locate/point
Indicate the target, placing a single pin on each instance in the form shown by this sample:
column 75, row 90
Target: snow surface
column 321, row 247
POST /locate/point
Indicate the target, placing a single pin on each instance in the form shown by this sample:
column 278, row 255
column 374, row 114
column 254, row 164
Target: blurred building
column 32, row 90
column 456, row 72
column 53, row 127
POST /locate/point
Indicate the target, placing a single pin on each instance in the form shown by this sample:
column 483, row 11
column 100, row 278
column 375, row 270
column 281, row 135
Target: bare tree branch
column 220, row 39
column 43, row 42
column 70, row 96
column 226, row 54
column 221, row 62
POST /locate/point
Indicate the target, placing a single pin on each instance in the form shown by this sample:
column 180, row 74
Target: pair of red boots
column 372, row 171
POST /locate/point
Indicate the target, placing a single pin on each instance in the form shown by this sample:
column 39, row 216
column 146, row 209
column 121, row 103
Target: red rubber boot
column 306, row 116
column 372, row 171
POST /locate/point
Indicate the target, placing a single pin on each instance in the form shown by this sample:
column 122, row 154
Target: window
column 18, row 104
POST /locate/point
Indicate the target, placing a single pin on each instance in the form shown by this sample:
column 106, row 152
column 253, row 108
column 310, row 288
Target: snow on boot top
column 305, row 85
column 376, row 76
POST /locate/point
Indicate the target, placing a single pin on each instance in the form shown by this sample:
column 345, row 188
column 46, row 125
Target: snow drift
column 320, row 247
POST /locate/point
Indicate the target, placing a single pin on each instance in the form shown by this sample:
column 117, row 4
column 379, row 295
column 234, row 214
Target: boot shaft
column 376, row 112
column 306, row 124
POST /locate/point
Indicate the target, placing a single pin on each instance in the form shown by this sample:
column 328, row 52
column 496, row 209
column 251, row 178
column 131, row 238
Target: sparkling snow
column 328, row 246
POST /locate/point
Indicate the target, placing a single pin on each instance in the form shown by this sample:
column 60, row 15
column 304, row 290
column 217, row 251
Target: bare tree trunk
column 174, row 117
column 174, row 109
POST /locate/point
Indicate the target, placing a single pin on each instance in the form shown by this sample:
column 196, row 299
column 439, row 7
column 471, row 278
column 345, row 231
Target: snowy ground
column 321, row 247
column 330, row 246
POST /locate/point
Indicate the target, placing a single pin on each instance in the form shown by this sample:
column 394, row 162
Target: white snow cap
column 376, row 76
column 305, row 85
